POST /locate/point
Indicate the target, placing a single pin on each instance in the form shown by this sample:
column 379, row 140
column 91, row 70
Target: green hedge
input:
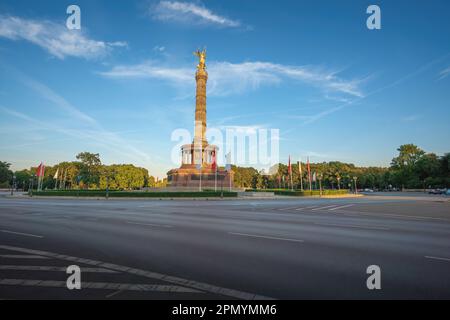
column 298, row 193
column 124, row 194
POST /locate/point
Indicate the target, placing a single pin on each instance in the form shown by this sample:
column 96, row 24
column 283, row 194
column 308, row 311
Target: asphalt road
column 230, row 249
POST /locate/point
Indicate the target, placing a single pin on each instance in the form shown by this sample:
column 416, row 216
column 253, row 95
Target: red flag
column 40, row 170
column 214, row 162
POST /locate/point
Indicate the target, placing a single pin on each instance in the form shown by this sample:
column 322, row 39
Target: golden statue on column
column 202, row 58
column 198, row 159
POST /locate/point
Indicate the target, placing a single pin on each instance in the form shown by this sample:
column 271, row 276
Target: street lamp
column 78, row 183
column 199, row 168
column 107, row 186
column 356, row 188
column 30, row 188
column 320, row 177
column 13, row 184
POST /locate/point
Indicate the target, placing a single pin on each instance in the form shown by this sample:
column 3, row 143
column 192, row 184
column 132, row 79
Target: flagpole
column 43, row 172
column 39, row 177
column 64, row 180
column 309, row 176
column 228, row 168
column 300, row 172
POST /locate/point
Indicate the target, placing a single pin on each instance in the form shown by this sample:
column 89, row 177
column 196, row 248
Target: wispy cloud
column 159, row 48
column 152, row 70
column 412, row 117
column 48, row 94
column 444, row 73
column 55, row 38
column 80, row 126
column 189, row 13
column 227, row 78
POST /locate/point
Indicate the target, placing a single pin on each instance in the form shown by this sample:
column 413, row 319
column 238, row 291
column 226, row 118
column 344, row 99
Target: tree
column 5, row 174
column 404, row 165
column 427, row 169
column 90, row 168
column 22, row 179
column 408, row 156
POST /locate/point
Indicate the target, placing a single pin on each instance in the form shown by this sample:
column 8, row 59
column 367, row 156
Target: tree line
column 412, row 168
column 86, row 173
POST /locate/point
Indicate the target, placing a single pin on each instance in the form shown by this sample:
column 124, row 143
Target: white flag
column 228, row 159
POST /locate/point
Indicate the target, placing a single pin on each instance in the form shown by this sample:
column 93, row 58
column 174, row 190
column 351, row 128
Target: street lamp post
column 222, row 177
column 199, row 168
column 30, row 188
column 320, row 176
column 13, row 184
column 107, row 187
column 356, row 188
column 78, row 183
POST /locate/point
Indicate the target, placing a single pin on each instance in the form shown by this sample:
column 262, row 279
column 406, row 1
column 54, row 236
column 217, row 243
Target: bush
column 299, row 193
column 312, row 193
column 124, row 194
column 5, row 185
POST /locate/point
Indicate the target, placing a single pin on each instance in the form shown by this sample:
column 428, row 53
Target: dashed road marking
column 205, row 287
column 22, row 234
column 264, row 237
column 351, row 226
column 113, row 294
column 99, row 285
column 283, row 209
column 149, row 224
column 322, row 208
column 52, row 268
column 21, row 256
column 341, row 207
column 304, row 208
column 438, row 258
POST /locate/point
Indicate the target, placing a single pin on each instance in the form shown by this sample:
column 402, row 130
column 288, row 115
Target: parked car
column 437, row 191
column 367, row 190
column 447, row 192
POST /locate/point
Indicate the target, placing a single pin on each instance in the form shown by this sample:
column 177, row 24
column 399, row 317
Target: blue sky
column 121, row 85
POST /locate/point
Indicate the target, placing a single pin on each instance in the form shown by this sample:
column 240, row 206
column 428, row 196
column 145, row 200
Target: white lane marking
column 341, row 207
column 264, row 237
column 321, row 208
column 147, row 274
column 438, row 258
column 21, row 256
column 113, row 294
column 351, row 226
column 149, row 224
column 98, row 285
column 283, row 209
column 304, row 208
column 396, row 216
column 22, row 234
column 53, row 268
